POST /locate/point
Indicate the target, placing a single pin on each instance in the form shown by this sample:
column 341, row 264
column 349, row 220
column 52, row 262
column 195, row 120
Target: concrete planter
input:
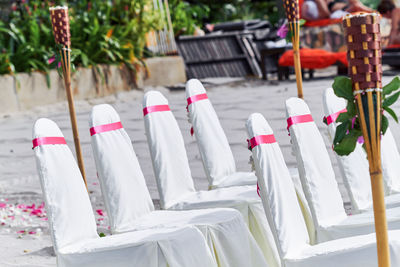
column 25, row 91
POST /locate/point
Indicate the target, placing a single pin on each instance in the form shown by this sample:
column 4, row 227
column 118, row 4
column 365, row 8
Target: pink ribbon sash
column 262, row 139
column 299, row 119
column 191, row 100
column 48, row 141
column 196, row 98
column 156, row 108
column 333, row 117
column 105, row 128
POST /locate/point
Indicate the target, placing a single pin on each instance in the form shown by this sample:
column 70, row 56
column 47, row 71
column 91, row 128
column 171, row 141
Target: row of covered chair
column 224, row 232
column 318, row 196
column 293, row 225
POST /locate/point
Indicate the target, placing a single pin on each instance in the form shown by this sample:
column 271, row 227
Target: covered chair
column 130, row 207
column 175, row 183
column 214, row 148
column 319, row 183
column 285, row 217
column 73, row 226
column 357, row 180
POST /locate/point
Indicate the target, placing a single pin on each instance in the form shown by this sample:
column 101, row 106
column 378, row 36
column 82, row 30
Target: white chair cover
column 121, row 179
column 286, row 220
column 357, row 180
column 319, row 184
column 73, row 226
column 214, row 148
column 358, row 188
column 390, row 164
column 123, row 185
column 171, row 168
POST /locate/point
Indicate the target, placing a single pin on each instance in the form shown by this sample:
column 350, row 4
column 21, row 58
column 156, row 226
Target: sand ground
column 24, row 235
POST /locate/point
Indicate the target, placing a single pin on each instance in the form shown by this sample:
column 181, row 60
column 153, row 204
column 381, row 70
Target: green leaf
column 102, row 234
column 343, row 117
column 392, row 86
column 385, row 124
column 392, row 113
column 341, row 131
column 390, row 100
column 351, row 108
column 348, row 144
column 342, row 87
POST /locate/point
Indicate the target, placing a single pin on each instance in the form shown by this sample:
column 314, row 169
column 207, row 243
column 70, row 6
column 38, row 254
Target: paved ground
column 233, row 100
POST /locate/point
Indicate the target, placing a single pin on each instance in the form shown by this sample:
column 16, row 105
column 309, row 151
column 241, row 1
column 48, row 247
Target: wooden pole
column 293, row 16
column 296, row 59
column 60, row 22
column 382, row 240
column 72, row 114
column 363, row 41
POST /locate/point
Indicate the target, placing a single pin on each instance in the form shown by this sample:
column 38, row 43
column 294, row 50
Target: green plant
column 102, row 32
column 349, row 130
column 189, row 14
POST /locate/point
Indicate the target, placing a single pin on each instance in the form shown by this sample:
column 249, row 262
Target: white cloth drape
column 73, row 226
column 286, row 220
column 214, row 148
column 175, row 184
column 320, row 186
column 129, row 204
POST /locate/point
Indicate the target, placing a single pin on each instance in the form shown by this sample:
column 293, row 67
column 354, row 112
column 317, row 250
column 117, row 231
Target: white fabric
column 315, row 168
column 169, row 160
column 176, row 176
column 122, row 182
column 286, row 220
column 214, row 148
column 319, row 184
column 354, row 167
column 125, row 189
column 357, row 180
column 390, row 163
column 305, row 209
column 73, row 226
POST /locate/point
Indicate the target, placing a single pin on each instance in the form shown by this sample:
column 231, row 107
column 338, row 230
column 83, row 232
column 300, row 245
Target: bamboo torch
column 60, row 21
column 365, row 69
column 293, row 16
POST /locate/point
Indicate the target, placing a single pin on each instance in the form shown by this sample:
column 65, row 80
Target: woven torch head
column 60, row 22
column 291, row 9
column 364, row 55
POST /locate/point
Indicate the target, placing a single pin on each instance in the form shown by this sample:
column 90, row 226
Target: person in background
column 389, row 10
column 324, row 9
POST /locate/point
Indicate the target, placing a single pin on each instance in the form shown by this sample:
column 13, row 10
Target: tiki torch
column 365, row 70
column 292, row 14
column 60, row 21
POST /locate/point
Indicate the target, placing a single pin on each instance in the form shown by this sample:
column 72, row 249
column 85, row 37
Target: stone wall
column 24, row 91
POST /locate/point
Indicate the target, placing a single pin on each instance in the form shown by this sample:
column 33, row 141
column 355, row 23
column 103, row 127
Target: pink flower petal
column 100, row 212
column 3, row 205
column 283, row 31
column 51, row 60
column 32, row 232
